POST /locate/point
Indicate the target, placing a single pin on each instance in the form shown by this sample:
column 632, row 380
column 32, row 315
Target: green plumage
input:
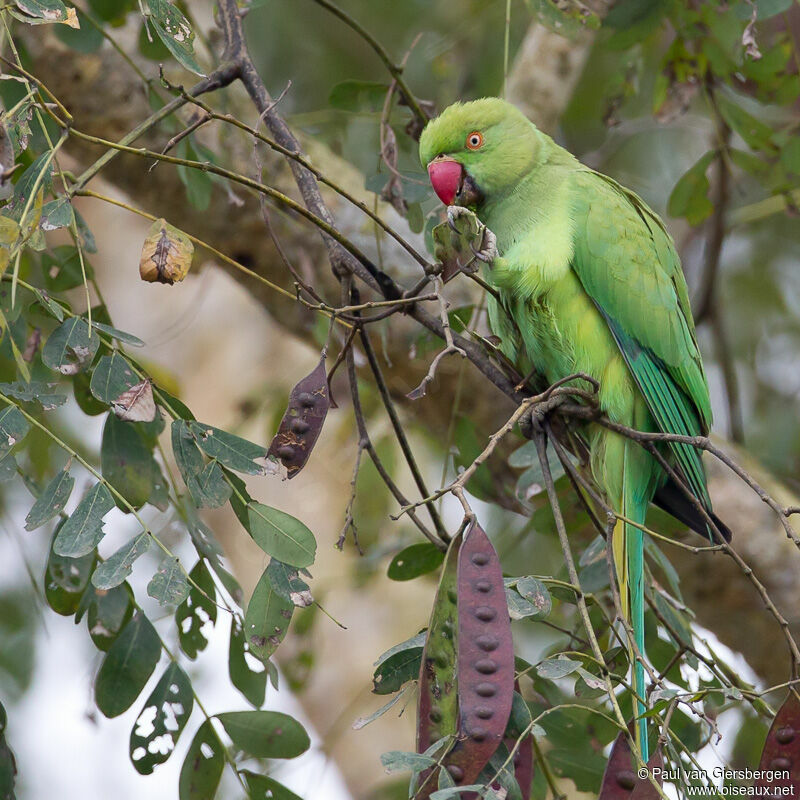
column 589, row 281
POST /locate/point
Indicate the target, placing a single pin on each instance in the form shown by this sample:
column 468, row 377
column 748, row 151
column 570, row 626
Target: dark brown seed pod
column 437, row 706
column 780, row 757
column 485, row 680
column 302, row 423
column 620, row 780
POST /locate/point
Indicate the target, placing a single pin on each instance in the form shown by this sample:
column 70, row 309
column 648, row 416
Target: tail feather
column 628, row 551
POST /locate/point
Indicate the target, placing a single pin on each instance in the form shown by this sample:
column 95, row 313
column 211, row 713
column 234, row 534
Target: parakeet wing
column 627, row 264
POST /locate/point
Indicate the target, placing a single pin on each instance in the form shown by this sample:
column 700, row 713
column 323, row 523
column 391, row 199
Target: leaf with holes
column 38, row 393
column 136, row 404
column 265, row 734
column 169, row 585
column 198, row 609
column 13, row 427
column 281, row 535
column 175, row 31
column 286, row 581
column 127, row 666
column 246, row 672
column 267, row 619
column 116, row 568
column 71, row 347
column 535, row 592
column 82, row 532
column 43, row 11
column 203, row 765
column 51, row 501
column 161, row 720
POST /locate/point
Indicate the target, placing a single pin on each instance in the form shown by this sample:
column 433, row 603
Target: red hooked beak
column 446, row 176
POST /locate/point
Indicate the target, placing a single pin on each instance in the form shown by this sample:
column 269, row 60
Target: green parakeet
column 588, row 281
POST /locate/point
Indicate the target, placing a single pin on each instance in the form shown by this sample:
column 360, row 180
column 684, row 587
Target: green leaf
column 47, row 11
column 554, row 668
column 689, row 198
column 262, row 787
column 38, row 393
column 267, row 619
column 174, row 30
column 127, row 666
column 198, row 183
column 161, row 720
column 535, row 592
column 203, row 765
column 399, row 761
column 281, row 535
column 169, row 584
column 66, row 579
column 13, row 427
column 8, row 765
column 234, row 452
column 82, row 532
column 62, row 269
column 519, row 607
column 415, row 560
column 755, row 133
column 127, row 462
column 394, row 671
column 362, row 722
column 209, row 488
column 352, row 95
column 112, row 377
column 418, row 640
column 71, row 347
column 248, row 675
column 57, row 214
column 8, row 468
column 109, row 613
column 51, row 501
column 196, row 610
column 265, row 734
column 120, row 336
column 115, row 569
column 286, row 581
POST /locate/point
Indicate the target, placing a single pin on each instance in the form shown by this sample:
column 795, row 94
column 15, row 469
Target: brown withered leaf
column 166, row 254
column 136, row 404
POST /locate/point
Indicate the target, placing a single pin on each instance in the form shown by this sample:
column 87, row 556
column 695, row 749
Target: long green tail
column 628, row 548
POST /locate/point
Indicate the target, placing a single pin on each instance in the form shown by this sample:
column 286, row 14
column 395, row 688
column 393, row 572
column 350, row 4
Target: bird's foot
column 531, row 423
column 462, row 242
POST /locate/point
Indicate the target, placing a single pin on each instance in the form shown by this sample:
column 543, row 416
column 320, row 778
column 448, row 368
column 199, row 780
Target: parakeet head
column 478, row 151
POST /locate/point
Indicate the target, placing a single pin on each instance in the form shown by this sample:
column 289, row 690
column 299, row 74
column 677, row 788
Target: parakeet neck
column 537, row 199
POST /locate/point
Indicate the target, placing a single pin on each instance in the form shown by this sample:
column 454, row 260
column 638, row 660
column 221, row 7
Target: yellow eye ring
column 475, row 140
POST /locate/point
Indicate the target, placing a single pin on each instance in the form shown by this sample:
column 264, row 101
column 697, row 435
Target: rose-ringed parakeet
column 589, row 281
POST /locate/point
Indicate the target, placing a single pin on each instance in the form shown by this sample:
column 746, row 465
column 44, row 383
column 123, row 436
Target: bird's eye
column 475, row 140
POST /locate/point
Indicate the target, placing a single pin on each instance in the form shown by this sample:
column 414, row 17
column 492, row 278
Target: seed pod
column 166, row 254
column 781, row 753
column 301, row 425
column 620, row 781
column 437, row 706
column 485, row 658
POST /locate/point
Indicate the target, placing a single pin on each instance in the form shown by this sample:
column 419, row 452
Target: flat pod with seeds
column 301, row 425
column 780, row 758
column 469, row 653
column 620, row 779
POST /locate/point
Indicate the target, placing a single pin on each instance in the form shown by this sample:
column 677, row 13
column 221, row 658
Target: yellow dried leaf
column 9, row 231
column 72, row 18
column 166, row 254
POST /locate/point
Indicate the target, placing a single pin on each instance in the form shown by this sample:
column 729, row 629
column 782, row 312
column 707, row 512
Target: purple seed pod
column 780, row 758
column 301, row 425
column 485, row 658
column 620, row 781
